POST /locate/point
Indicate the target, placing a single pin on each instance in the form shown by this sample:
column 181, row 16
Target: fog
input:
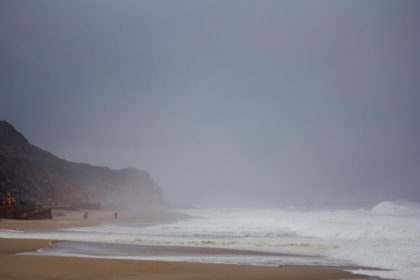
column 225, row 103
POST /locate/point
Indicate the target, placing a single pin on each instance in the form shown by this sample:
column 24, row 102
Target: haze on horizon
column 225, row 103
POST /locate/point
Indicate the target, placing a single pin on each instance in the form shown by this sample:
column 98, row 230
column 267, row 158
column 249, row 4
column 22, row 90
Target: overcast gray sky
column 224, row 102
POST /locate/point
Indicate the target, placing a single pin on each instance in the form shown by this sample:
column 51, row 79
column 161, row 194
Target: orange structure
column 10, row 200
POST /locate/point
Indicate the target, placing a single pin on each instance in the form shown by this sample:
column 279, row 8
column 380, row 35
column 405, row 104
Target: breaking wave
column 386, row 236
column 401, row 208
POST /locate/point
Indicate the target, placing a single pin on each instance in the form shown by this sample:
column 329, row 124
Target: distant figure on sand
column 115, row 215
column 85, row 215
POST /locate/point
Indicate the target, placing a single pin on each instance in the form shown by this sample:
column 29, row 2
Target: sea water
column 383, row 241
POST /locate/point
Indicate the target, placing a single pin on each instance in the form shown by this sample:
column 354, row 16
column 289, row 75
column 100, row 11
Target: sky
column 225, row 103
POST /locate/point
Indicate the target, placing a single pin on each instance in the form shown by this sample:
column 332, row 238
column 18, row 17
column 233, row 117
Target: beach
column 17, row 266
column 71, row 219
column 45, row 267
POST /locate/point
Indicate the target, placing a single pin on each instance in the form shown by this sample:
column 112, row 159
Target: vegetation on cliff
column 45, row 178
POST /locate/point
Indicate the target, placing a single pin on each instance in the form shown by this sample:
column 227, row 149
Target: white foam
column 386, row 237
column 397, row 208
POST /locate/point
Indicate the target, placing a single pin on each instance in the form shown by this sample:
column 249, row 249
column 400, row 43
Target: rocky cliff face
column 43, row 177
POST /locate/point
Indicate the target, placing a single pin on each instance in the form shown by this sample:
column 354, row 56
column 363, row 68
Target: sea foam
column 386, row 237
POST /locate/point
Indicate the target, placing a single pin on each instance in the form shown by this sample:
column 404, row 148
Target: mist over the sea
column 381, row 241
column 224, row 103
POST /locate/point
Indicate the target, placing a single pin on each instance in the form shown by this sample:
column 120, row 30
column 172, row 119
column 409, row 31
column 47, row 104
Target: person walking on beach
column 115, row 215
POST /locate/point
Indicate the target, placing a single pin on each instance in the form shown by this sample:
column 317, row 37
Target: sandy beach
column 15, row 266
column 70, row 219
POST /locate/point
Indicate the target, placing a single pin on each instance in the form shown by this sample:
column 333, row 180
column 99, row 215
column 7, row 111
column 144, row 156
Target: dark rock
column 40, row 176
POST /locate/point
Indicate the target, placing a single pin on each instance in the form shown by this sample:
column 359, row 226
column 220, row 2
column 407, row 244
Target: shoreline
column 63, row 219
column 56, row 267
column 17, row 266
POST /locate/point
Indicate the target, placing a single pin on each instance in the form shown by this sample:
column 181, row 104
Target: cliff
column 45, row 178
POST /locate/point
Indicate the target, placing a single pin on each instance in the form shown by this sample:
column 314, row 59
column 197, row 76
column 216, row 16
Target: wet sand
column 69, row 219
column 14, row 266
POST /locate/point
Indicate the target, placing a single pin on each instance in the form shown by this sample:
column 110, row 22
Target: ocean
column 382, row 241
